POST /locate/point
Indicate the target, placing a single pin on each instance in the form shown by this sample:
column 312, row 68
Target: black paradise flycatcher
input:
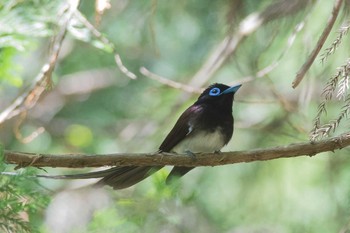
column 206, row 126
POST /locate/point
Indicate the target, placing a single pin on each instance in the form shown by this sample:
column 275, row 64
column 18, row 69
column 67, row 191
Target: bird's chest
column 201, row 141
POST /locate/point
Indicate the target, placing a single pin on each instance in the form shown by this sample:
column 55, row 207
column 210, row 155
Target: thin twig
column 31, row 136
column 216, row 59
column 122, row 68
column 29, row 97
column 248, row 26
column 107, row 43
column 169, row 82
column 161, row 159
column 301, row 73
column 269, row 68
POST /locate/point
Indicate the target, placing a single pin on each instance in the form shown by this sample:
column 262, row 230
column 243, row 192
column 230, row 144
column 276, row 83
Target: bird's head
column 219, row 94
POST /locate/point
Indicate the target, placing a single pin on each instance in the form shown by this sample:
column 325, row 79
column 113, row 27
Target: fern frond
column 332, row 85
column 340, row 83
column 344, row 81
column 331, row 49
column 326, row 129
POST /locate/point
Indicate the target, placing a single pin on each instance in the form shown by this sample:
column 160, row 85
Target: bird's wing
column 180, row 130
column 123, row 177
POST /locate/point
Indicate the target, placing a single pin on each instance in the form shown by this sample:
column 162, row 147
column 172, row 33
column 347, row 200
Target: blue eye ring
column 215, row 91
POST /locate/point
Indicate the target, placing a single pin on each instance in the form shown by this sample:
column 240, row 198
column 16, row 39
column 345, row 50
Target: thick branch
column 156, row 159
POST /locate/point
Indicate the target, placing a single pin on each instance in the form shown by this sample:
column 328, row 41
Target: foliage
column 340, row 83
column 21, row 205
column 22, row 23
column 94, row 107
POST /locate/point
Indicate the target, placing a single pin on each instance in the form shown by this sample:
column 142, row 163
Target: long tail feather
column 177, row 172
column 117, row 177
column 128, row 177
column 89, row 175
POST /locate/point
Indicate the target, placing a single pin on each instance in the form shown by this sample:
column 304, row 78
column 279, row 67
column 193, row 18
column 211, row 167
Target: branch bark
column 162, row 159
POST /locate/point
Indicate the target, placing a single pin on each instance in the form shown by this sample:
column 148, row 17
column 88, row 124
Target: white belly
column 201, row 142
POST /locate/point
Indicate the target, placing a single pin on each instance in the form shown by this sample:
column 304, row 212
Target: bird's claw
column 190, row 154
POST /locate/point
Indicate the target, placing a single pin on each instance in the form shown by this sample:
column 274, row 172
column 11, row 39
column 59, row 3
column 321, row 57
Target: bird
column 205, row 126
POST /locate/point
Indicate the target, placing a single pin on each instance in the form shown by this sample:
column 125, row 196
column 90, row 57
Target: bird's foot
column 217, row 152
column 191, row 154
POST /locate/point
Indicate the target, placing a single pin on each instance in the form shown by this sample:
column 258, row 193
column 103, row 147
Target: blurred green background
column 94, row 108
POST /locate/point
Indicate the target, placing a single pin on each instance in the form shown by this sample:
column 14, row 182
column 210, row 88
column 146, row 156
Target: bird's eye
column 214, row 92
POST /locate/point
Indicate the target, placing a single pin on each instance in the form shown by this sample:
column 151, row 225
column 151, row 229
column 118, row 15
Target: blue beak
column 232, row 89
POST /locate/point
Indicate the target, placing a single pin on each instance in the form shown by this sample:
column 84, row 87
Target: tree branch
column 301, row 73
column 161, row 159
column 170, row 83
column 228, row 46
column 107, row 43
column 29, row 98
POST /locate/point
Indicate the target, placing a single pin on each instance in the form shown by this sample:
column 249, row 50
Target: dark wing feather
column 180, row 130
column 177, row 134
